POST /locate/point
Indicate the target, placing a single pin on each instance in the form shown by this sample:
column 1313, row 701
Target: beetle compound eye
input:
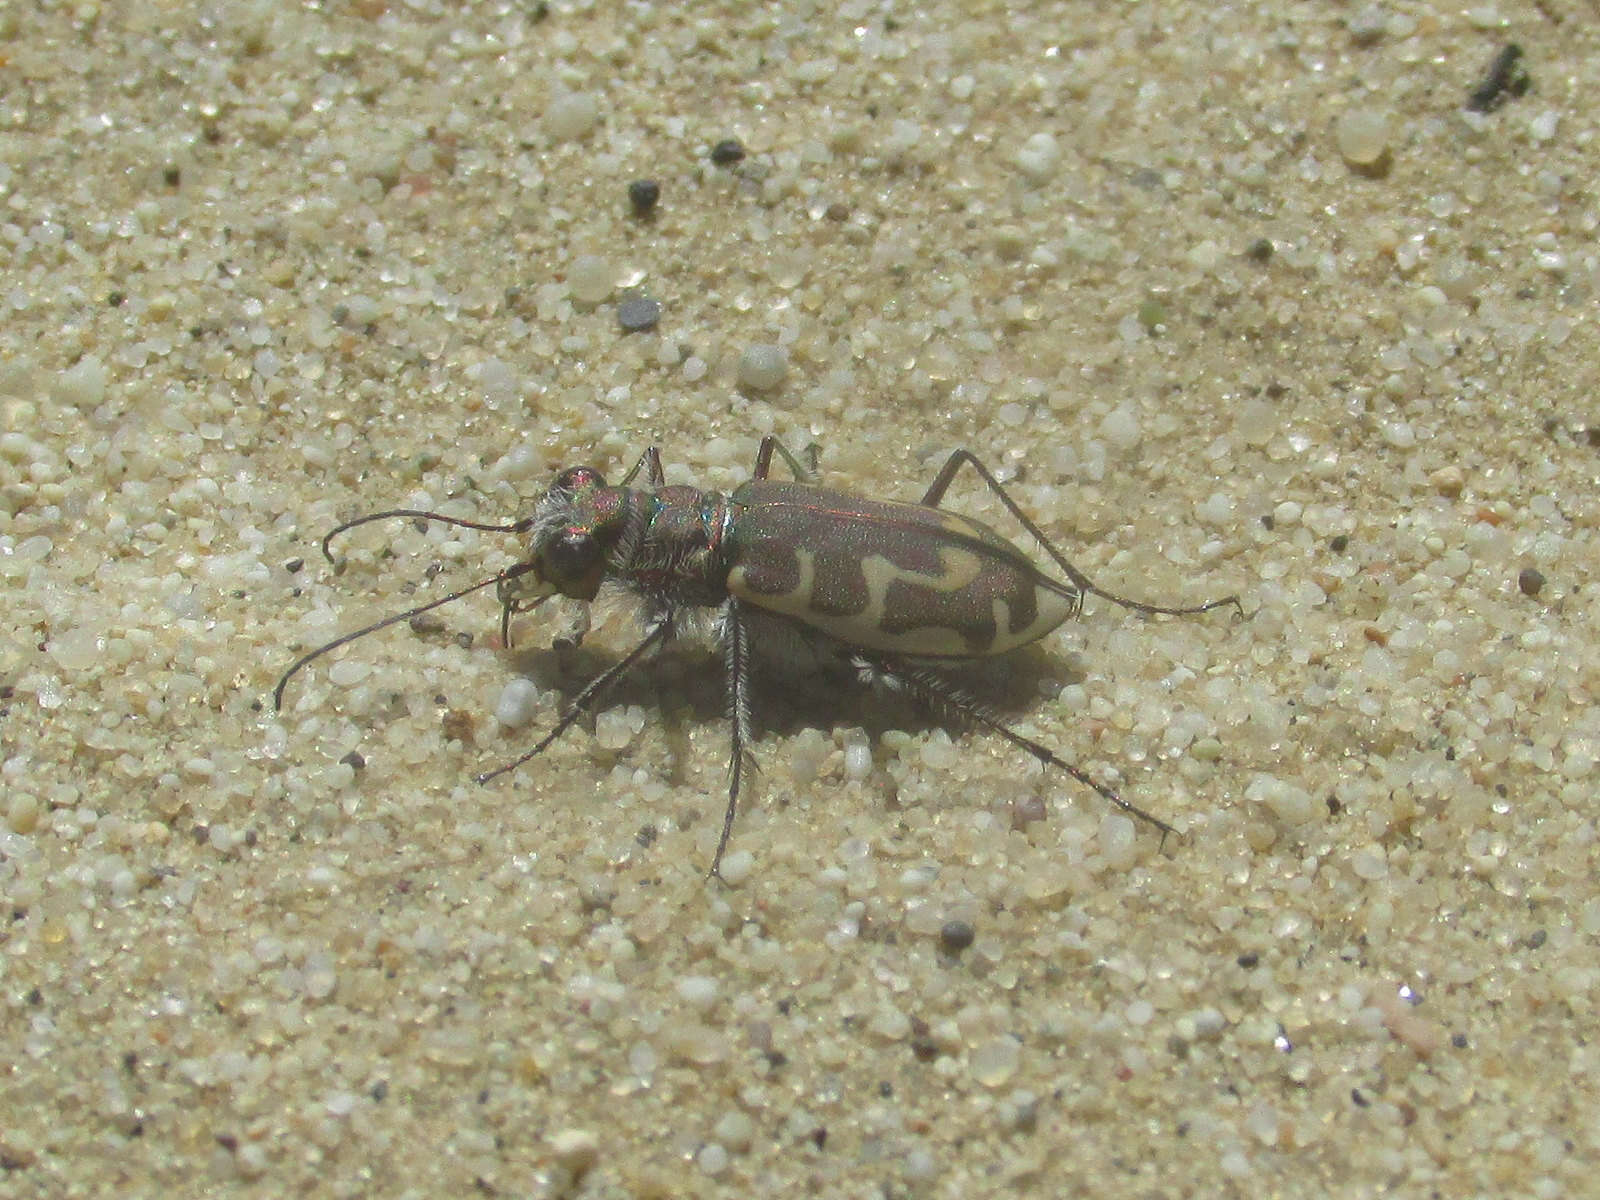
column 575, row 479
column 571, row 562
column 569, row 552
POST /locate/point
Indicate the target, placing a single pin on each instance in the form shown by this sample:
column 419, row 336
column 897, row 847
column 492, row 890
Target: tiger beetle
column 895, row 590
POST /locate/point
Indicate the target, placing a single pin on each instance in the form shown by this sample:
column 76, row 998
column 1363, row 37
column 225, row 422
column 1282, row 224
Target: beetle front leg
column 736, row 656
column 960, row 458
column 585, row 700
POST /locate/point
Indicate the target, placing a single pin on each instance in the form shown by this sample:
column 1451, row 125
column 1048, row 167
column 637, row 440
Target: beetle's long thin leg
column 960, row 458
column 510, row 573
column 736, row 653
column 936, row 692
column 650, row 463
column 592, row 691
column 804, row 472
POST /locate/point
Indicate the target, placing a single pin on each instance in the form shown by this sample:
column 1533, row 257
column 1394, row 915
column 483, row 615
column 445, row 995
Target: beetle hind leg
column 938, row 693
column 934, row 496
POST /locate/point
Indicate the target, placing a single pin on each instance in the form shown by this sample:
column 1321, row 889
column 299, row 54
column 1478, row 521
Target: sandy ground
column 1237, row 299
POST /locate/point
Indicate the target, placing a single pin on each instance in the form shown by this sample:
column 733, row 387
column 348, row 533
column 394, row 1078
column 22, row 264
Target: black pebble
column 727, row 152
column 642, row 195
column 1506, row 78
column 956, row 936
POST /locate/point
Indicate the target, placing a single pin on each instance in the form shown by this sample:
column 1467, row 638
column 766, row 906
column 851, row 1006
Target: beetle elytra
column 893, row 588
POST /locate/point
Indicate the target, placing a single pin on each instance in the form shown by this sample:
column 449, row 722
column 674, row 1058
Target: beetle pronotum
column 896, row 589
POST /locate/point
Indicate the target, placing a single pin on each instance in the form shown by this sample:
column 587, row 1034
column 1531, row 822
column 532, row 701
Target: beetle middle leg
column 735, row 639
column 935, row 691
column 650, row 463
column 960, row 458
column 804, row 472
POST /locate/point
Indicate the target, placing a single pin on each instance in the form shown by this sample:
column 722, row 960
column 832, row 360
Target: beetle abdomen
column 896, row 578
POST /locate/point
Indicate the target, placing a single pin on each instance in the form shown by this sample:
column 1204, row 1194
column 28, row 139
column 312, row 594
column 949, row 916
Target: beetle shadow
column 798, row 682
column 684, row 687
column 683, row 674
column 1007, row 689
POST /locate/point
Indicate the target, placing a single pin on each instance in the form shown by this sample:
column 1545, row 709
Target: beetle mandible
column 896, row 588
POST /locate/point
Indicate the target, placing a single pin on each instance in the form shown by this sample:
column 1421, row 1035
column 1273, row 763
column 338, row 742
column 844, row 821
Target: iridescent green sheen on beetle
column 894, row 589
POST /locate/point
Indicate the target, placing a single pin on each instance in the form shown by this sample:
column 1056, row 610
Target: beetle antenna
column 512, row 572
column 522, row 526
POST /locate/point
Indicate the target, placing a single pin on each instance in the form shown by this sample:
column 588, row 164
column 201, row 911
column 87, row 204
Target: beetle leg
column 961, row 458
column 591, row 693
column 804, row 472
column 736, row 655
column 650, row 463
column 938, row 693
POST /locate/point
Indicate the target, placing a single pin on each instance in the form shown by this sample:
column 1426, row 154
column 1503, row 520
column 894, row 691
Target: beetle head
column 575, row 529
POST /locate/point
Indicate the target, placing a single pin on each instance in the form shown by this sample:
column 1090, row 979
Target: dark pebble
column 1506, row 78
column 727, row 152
column 637, row 313
column 1531, row 581
column 956, row 936
column 643, row 194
